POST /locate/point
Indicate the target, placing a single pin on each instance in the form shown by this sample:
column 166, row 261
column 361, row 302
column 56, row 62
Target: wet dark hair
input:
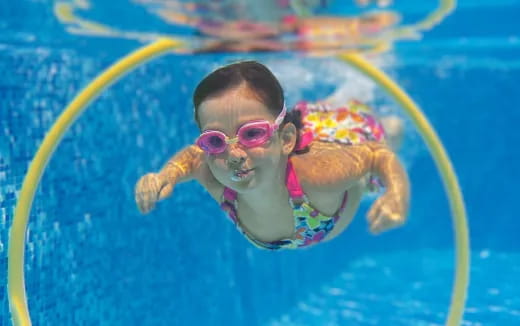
column 258, row 79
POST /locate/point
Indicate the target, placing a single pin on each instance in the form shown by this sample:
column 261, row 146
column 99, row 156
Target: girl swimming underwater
column 287, row 179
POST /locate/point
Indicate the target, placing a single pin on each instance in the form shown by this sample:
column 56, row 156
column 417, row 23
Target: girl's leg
column 394, row 128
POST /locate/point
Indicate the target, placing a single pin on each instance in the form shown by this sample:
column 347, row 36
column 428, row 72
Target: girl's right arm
column 186, row 165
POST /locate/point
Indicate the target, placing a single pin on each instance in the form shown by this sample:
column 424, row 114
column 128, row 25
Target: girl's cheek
column 262, row 154
column 217, row 162
column 258, row 153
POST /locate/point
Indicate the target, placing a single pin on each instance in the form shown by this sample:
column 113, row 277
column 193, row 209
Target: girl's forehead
column 229, row 111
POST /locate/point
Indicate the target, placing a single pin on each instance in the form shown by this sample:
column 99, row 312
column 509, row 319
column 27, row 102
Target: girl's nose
column 236, row 155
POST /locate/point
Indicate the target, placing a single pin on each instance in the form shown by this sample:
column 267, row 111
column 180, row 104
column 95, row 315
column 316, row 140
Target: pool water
column 410, row 288
column 92, row 259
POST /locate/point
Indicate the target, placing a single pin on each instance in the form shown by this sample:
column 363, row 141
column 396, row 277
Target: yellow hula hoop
column 16, row 283
column 449, row 178
column 15, row 270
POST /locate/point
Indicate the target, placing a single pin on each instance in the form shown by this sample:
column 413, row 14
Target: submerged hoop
column 16, row 280
column 447, row 174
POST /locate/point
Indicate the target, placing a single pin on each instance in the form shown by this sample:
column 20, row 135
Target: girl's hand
column 387, row 212
column 151, row 188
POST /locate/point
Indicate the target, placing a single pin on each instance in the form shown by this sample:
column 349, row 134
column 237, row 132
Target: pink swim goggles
column 251, row 134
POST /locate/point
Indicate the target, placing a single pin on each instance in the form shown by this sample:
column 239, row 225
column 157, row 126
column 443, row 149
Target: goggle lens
column 212, row 142
column 254, row 135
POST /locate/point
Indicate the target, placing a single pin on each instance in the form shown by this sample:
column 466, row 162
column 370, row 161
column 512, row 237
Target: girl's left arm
column 332, row 168
column 391, row 209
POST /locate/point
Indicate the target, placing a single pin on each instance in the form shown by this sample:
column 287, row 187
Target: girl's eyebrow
column 210, row 127
column 251, row 118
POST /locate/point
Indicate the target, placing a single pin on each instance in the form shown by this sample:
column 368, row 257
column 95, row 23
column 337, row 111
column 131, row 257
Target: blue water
column 91, row 259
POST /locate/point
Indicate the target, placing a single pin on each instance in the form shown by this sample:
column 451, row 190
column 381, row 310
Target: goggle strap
column 280, row 117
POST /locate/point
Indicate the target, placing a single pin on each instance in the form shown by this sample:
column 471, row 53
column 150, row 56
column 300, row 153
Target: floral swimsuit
column 352, row 124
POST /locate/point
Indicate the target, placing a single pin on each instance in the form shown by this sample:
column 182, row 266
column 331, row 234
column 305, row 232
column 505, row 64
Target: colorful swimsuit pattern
column 351, row 124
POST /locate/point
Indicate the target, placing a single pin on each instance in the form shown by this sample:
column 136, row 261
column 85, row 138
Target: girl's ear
column 288, row 136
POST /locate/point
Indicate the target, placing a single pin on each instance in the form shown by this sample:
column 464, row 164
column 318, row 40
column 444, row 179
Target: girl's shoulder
column 323, row 154
column 331, row 166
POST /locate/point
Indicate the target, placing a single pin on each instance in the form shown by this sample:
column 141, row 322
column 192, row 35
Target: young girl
column 287, row 179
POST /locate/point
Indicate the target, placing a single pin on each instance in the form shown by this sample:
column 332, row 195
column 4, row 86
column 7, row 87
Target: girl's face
column 238, row 167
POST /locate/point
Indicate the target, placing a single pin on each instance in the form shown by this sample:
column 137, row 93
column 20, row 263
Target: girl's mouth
column 239, row 175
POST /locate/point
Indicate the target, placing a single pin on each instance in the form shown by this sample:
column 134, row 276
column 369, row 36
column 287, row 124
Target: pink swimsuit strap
column 296, row 191
column 230, row 195
column 305, row 139
column 292, row 183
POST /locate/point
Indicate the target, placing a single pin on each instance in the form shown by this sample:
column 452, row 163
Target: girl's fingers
column 166, row 191
column 147, row 192
column 385, row 222
column 375, row 226
column 380, row 225
column 374, row 212
column 143, row 203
